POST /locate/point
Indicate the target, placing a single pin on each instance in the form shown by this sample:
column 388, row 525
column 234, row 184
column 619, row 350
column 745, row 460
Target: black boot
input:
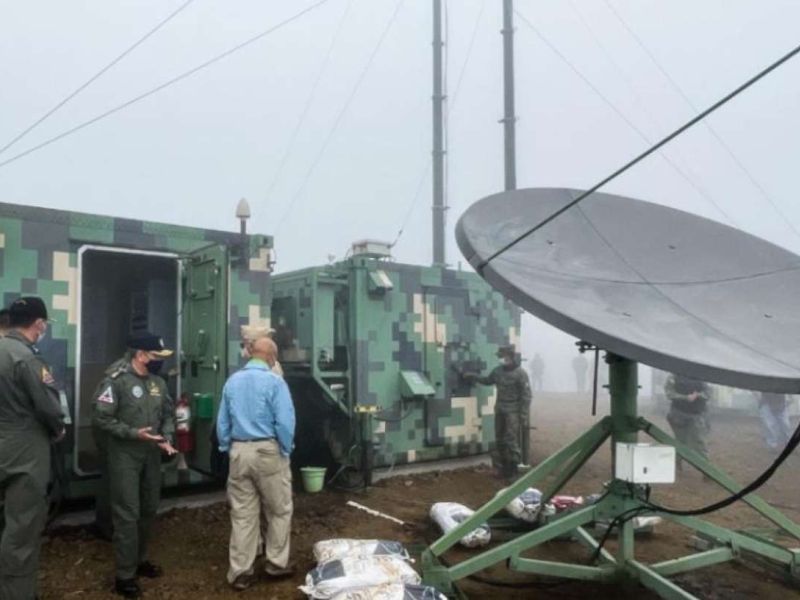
column 127, row 588
column 149, row 570
column 511, row 472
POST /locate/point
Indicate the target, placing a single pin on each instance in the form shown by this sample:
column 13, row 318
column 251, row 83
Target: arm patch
column 107, row 396
column 47, row 377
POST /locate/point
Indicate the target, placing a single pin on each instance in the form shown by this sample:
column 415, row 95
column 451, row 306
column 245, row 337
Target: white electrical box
column 645, row 463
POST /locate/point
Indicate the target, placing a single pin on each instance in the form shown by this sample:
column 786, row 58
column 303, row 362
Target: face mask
column 42, row 334
column 154, row 366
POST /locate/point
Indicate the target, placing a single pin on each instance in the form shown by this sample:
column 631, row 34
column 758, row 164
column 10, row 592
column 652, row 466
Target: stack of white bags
column 349, row 569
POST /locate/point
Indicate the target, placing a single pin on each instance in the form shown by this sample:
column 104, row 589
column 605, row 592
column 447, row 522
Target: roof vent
column 372, row 249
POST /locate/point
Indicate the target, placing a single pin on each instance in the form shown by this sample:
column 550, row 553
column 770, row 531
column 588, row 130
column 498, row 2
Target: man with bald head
column 256, row 426
column 253, row 333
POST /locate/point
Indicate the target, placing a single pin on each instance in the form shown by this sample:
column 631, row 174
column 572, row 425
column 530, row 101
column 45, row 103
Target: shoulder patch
column 47, row 377
column 107, row 396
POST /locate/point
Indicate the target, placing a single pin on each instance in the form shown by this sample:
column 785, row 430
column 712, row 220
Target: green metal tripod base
column 622, row 426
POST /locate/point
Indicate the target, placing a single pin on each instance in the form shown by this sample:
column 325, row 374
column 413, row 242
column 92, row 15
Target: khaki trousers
column 259, row 480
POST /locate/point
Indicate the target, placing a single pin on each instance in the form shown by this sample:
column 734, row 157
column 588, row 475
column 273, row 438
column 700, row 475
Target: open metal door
column 204, row 344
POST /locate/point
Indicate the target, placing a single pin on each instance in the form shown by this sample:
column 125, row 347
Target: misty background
column 324, row 125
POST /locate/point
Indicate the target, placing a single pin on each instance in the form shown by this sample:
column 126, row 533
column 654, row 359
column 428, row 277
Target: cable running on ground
column 651, row 507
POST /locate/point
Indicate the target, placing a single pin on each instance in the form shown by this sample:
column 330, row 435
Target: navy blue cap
column 26, row 309
column 149, row 343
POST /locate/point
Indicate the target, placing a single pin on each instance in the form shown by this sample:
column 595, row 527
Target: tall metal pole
column 438, row 138
column 509, row 118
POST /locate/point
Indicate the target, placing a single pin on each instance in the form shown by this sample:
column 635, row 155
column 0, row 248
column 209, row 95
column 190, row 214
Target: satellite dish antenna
column 651, row 283
column 646, row 283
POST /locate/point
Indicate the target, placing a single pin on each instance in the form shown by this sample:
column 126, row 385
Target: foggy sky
column 187, row 154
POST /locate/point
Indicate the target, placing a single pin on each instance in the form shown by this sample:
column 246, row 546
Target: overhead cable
column 95, row 77
column 309, row 101
column 686, row 126
column 450, row 109
column 630, row 123
column 644, row 279
column 340, row 116
column 166, row 84
column 725, row 146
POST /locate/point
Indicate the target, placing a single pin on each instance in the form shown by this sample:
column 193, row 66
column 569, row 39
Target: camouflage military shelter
column 104, row 278
column 374, row 351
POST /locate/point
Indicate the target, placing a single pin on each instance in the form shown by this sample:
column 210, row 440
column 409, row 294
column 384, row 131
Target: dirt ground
column 191, row 544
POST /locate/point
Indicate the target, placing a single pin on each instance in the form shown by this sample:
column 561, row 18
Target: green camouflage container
column 104, row 278
column 373, row 351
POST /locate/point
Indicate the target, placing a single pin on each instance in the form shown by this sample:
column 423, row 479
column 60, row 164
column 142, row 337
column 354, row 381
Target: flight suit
column 125, row 403
column 30, row 417
column 511, row 414
column 102, row 499
column 688, row 419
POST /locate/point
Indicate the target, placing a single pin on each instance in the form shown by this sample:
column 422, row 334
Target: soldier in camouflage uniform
column 134, row 411
column 30, row 419
column 688, row 412
column 511, row 410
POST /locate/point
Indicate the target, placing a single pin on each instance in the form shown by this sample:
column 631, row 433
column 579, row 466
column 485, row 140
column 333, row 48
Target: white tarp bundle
column 391, row 591
column 333, row 577
column 448, row 515
column 526, row 506
column 326, row 550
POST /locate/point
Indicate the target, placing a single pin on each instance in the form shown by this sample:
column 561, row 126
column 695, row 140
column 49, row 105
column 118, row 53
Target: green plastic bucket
column 313, row 478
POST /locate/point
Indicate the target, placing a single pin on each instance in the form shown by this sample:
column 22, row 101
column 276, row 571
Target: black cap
column 26, row 310
column 5, row 318
column 509, row 351
column 149, row 343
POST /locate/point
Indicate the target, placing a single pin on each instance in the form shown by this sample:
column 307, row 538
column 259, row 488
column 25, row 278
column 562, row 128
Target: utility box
column 645, row 463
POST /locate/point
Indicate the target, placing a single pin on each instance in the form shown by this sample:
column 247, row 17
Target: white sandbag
column 526, row 506
column 392, row 591
column 448, row 515
column 326, row 550
column 335, row 576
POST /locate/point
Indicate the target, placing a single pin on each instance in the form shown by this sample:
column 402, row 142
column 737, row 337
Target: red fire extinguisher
column 183, row 424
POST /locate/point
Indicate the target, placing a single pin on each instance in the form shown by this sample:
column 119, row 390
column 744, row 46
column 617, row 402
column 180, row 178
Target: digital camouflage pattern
column 351, row 336
column 363, row 320
column 39, row 256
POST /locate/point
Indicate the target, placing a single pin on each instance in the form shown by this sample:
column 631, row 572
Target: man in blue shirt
column 256, row 426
